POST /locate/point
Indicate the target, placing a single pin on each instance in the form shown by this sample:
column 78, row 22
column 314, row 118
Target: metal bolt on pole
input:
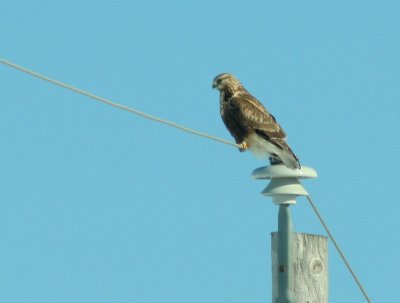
column 285, row 233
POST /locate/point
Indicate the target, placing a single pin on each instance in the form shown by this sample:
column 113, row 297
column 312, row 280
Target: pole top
column 285, row 185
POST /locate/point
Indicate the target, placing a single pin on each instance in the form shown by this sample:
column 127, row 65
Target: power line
column 186, row 129
column 339, row 250
column 114, row 104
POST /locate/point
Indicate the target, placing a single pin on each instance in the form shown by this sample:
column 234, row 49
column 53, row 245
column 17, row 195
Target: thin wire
column 186, row 129
column 339, row 250
column 120, row 106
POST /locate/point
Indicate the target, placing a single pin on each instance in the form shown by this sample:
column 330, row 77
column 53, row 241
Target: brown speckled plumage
column 250, row 123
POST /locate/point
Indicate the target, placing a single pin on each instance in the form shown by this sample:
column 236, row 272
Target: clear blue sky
column 98, row 205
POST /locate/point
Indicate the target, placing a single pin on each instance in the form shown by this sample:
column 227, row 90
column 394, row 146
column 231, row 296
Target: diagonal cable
column 114, row 104
column 339, row 250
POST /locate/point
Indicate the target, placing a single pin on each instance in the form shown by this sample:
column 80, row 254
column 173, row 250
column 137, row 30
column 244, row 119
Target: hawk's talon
column 243, row 146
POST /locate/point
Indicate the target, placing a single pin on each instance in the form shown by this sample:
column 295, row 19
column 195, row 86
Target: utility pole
column 299, row 261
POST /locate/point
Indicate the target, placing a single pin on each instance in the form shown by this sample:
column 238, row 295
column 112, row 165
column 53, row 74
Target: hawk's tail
column 261, row 146
column 286, row 155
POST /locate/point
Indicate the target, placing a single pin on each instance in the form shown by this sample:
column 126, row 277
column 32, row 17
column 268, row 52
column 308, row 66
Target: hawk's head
column 226, row 81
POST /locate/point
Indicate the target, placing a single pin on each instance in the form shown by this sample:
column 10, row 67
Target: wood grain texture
column 310, row 268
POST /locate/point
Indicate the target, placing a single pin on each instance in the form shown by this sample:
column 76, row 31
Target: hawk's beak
column 214, row 85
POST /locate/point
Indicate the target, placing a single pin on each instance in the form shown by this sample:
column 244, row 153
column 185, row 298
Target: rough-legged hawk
column 252, row 126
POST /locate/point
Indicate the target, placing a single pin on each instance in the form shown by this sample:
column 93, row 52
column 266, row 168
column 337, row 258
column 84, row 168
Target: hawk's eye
column 219, row 81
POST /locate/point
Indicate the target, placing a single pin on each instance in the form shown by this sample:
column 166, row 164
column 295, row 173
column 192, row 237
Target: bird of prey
column 252, row 126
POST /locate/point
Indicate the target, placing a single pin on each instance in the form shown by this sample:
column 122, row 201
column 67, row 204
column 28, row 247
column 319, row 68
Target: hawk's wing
column 253, row 115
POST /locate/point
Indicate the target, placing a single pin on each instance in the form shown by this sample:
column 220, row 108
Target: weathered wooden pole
column 299, row 261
